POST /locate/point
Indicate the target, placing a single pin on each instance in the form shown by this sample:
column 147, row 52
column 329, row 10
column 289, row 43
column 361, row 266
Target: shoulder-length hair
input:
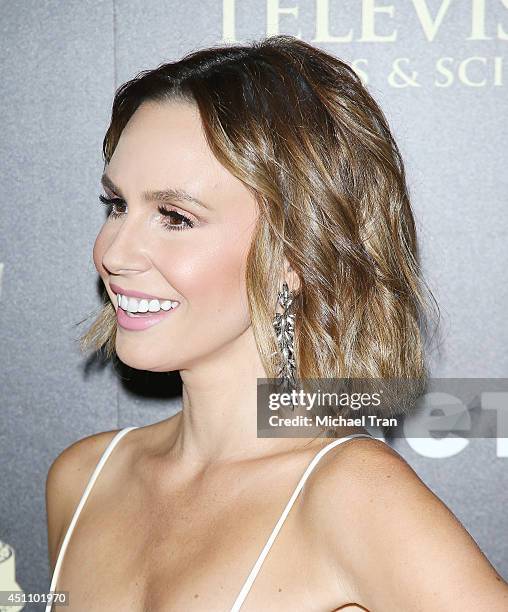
column 299, row 129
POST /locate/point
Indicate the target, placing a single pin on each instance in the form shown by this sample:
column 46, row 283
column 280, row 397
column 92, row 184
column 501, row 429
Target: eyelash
column 166, row 212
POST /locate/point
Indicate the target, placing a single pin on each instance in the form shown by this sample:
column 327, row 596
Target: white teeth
column 132, row 304
column 143, row 306
column 154, row 306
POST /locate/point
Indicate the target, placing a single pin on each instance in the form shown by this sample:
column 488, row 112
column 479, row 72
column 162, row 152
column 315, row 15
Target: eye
column 110, row 204
column 182, row 222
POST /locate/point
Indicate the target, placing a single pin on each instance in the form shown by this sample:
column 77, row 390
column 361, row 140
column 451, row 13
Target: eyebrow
column 166, row 196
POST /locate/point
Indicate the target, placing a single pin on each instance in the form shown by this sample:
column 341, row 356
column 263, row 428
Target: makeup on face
column 140, row 322
column 162, row 159
column 133, row 305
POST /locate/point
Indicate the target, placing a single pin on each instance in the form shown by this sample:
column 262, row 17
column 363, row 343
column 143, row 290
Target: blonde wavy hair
column 299, row 129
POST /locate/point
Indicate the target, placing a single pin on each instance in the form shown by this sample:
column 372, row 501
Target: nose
column 127, row 248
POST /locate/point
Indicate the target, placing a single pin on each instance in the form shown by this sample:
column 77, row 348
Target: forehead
column 163, row 145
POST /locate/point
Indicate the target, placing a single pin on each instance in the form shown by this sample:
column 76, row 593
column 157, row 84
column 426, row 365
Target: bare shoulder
column 399, row 545
column 67, row 478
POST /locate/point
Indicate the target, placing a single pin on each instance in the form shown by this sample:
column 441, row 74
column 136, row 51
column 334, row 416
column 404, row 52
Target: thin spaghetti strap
column 257, row 566
column 114, row 441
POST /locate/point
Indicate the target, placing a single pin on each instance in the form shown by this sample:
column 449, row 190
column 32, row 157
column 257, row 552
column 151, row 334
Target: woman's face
column 141, row 249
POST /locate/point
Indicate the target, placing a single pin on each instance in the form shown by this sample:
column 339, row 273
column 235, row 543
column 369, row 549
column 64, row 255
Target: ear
column 291, row 277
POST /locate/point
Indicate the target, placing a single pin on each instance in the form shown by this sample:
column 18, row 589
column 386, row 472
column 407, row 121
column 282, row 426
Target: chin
column 134, row 358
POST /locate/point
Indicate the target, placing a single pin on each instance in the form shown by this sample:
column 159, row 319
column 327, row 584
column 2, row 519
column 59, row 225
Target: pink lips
column 138, row 294
column 141, row 322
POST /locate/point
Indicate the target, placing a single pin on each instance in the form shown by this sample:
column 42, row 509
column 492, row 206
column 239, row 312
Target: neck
column 218, row 423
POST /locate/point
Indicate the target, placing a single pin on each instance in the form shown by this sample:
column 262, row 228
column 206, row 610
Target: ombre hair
column 299, row 129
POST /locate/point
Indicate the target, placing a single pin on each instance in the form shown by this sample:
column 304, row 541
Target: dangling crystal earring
column 284, row 325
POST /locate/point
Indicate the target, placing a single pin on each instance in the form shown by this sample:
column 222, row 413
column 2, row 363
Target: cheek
column 210, row 276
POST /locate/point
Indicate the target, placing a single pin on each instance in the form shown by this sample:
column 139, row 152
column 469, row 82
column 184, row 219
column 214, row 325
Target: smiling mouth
column 147, row 314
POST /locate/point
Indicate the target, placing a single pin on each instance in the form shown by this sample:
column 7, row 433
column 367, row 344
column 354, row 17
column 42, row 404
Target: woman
column 228, row 174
